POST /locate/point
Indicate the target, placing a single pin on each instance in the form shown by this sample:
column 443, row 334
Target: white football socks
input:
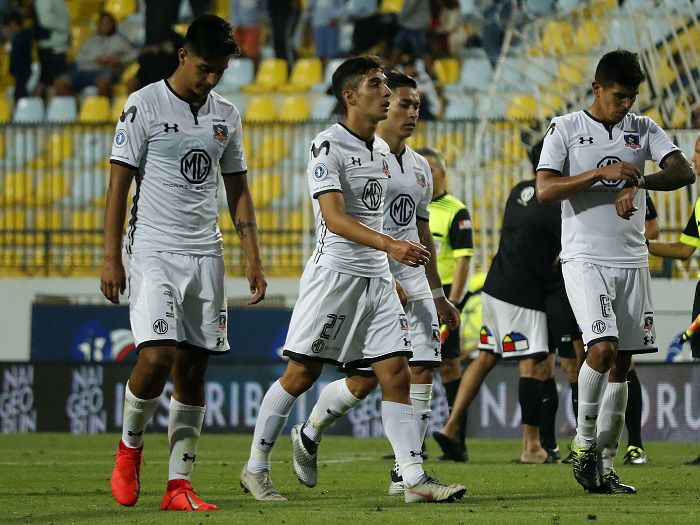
column 402, row 431
column 334, row 401
column 137, row 414
column 611, row 421
column 591, row 385
column 420, row 399
column 274, row 411
column 184, row 428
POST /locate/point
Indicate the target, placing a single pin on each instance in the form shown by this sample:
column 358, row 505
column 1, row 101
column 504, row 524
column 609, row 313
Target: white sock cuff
column 181, row 407
column 281, row 400
column 616, row 396
column 591, row 377
column 345, row 395
column 422, row 392
column 138, row 402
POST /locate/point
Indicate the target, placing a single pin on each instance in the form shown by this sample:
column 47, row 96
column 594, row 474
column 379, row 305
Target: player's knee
column 158, row 361
column 602, row 355
column 361, row 386
column 450, row 369
column 620, row 367
column 398, row 383
column 421, row 375
column 299, row 377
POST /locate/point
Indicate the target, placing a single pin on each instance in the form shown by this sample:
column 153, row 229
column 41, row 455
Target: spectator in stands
column 373, row 32
column 99, row 60
column 52, row 33
column 497, row 13
column 157, row 60
column 446, row 34
column 246, row 18
column 284, row 15
column 20, row 66
column 325, row 16
column 430, row 101
column 413, row 21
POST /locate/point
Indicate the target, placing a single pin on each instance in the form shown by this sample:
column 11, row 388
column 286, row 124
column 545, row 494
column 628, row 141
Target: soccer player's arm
column 129, row 145
column 675, row 172
column 460, row 236
column 551, row 186
column 685, row 246
column 240, row 205
column 651, row 223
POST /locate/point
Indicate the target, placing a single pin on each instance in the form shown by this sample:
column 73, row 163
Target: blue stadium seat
column 62, row 109
column 322, row 107
column 460, row 107
column 29, row 109
column 239, row 73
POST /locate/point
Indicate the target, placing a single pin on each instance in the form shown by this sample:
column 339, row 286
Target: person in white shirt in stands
column 170, row 138
column 593, row 161
column 348, row 312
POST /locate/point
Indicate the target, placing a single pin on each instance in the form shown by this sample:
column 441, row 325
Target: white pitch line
column 49, row 463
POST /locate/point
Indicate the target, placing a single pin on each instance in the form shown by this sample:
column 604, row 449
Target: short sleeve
column 660, row 145
column 690, row 235
column 324, row 168
column 131, row 136
column 423, row 209
column 233, row 159
column 554, row 148
column 461, row 234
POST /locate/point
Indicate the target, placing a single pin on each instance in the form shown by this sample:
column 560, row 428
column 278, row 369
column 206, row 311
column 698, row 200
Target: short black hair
column 210, row 36
column 432, row 152
column 396, row 79
column 349, row 73
column 620, row 67
column 534, row 154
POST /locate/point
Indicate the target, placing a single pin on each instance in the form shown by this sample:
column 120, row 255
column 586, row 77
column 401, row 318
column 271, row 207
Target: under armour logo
column 266, row 443
column 187, row 457
column 581, row 140
column 168, row 128
column 425, row 416
column 416, row 454
column 356, row 161
column 330, row 412
column 590, row 418
column 406, row 342
column 219, row 341
column 130, row 433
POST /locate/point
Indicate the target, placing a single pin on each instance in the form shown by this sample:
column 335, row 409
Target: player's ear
column 181, row 55
column 350, row 97
column 596, row 88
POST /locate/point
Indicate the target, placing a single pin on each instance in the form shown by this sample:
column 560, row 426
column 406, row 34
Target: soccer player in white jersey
column 348, row 312
column 406, row 216
column 593, row 161
column 170, row 138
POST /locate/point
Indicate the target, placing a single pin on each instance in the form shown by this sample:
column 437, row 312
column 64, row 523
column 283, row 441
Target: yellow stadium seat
column 557, row 38
column 664, row 75
column 295, row 109
column 56, row 150
column 589, row 35
column 94, row 108
column 655, row 115
column 270, row 150
column 48, row 219
column 265, row 188
column 305, row 73
column 266, row 220
column 129, row 72
column 574, row 70
column 391, row 6
column 522, row 107
column 52, row 187
column 121, row 8
column 12, row 225
column 84, row 11
column 18, row 189
column 79, row 32
column 222, row 8
column 2, row 145
column 5, row 109
column 447, row 70
column 117, row 107
column 261, row 108
column 272, row 73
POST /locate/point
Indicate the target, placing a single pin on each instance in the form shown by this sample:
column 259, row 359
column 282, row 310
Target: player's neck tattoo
column 241, row 227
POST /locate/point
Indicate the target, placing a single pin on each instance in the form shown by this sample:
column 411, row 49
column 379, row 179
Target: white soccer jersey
column 341, row 161
column 176, row 151
column 591, row 229
column 408, row 196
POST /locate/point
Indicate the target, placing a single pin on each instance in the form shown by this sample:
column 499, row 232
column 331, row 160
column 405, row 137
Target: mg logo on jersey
column 607, row 161
column 195, row 166
column 402, row 209
column 372, row 195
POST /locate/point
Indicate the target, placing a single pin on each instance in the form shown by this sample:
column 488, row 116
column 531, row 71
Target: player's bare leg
column 448, row 436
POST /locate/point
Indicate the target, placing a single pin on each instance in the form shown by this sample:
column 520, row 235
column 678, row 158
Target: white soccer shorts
column 177, row 299
column 612, row 304
column 425, row 333
column 346, row 319
column 512, row 331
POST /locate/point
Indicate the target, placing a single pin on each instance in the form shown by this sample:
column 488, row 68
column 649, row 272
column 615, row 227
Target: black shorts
column 562, row 327
column 695, row 338
column 451, row 347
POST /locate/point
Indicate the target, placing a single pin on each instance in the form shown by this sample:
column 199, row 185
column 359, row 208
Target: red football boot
column 181, row 496
column 125, row 482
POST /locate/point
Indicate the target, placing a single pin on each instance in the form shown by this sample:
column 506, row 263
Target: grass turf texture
column 60, row 478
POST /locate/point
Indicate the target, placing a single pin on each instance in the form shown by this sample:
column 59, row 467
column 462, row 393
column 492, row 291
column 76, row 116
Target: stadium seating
column 272, row 73
column 29, row 109
column 589, row 36
column 94, row 108
column 62, row 109
column 118, row 104
column 295, row 108
column 305, row 73
column 522, row 107
column 331, row 66
column 475, row 74
column 5, row 109
column 121, row 8
column 323, row 107
column 460, row 107
column 51, row 188
column 18, row 189
column 261, row 108
column 447, row 70
column 240, row 72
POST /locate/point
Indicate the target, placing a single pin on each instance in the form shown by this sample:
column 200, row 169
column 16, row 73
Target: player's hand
column 620, row 171
column 448, row 313
column 409, row 253
column 624, row 204
column 403, row 296
column 112, row 279
column 258, row 284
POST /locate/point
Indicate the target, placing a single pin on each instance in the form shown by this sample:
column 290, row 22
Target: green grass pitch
column 60, row 478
